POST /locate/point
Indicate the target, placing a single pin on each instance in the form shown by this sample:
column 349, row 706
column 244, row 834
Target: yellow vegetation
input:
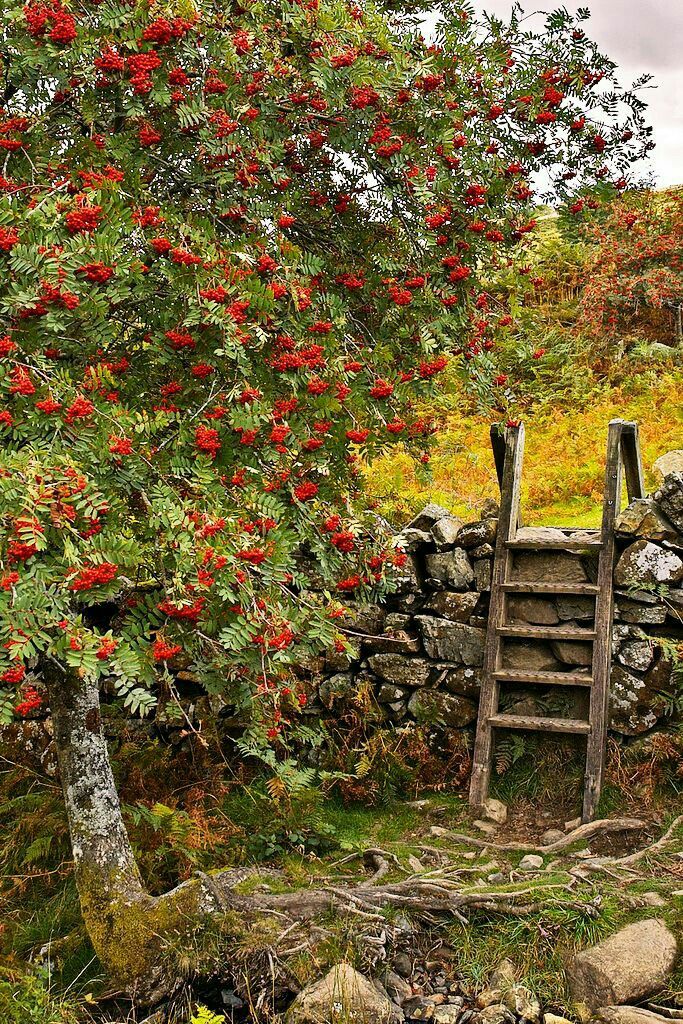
column 564, row 457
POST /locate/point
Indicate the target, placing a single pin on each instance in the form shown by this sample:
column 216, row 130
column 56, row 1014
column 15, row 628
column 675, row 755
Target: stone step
column 587, row 589
column 547, row 632
column 571, row 725
column 513, row 675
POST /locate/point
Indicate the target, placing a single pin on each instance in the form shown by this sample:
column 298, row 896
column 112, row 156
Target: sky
column 640, row 36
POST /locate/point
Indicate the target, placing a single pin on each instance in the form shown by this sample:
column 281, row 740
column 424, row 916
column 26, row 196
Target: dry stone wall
column 421, row 651
column 419, row 654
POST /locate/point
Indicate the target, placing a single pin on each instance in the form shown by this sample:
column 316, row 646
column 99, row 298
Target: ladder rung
column 573, row 725
column 510, row 587
column 548, row 632
column 554, row 545
column 512, row 675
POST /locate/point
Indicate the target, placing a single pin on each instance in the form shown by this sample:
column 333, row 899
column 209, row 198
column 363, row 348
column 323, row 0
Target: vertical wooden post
column 630, row 450
column 508, row 521
column 602, row 647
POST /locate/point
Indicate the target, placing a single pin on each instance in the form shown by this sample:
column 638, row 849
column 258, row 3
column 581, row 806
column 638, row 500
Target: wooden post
column 602, row 647
column 630, row 450
column 507, row 525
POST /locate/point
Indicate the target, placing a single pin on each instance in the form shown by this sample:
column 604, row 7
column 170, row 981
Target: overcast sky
column 640, row 36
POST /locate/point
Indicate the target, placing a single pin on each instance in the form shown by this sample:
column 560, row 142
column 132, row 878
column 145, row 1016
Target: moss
column 132, row 935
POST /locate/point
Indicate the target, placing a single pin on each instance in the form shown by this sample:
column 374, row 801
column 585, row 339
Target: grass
column 539, row 943
column 564, row 460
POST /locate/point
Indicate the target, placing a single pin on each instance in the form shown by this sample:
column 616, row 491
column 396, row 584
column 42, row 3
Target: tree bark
column 132, row 931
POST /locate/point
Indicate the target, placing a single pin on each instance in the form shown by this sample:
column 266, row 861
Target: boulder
column 548, row 566
column 412, row 540
column 395, row 641
column 390, row 694
column 343, row 995
column 636, row 654
column 482, row 551
column 482, row 574
column 629, row 705
column 445, row 531
column 397, row 987
column 669, row 497
column 429, row 515
column 406, row 577
column 435, row 706
column 530, row 656
column 644, row 562
column 572, row 652
column 452, row 641
column 456, row 607
column 632, row 964
column 537, row 610
column 573, row 606
column 670, row 462
column 473, row 534
column 397, row 620
column 640, row 612
column 628, row 1015
column 644, row 518
column 364, row 618
column 539, row 534
column 462, row 679
column 399, row 670
column 452, row 568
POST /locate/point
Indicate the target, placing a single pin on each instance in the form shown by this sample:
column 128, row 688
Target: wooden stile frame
column 623, row 458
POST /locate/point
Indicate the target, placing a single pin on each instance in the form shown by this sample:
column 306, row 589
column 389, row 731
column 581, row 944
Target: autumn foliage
column 236, row 244
column 636, row 265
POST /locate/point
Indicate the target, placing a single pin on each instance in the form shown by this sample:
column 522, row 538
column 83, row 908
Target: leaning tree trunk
column 131, row 930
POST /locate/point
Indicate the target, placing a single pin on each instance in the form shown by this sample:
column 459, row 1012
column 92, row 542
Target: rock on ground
column 628, row 1015
column 343, row 995
column 632, row 964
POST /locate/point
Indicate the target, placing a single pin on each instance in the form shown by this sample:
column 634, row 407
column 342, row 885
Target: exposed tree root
column 583, row 832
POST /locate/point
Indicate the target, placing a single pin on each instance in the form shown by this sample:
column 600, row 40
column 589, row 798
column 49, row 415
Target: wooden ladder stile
column 623, row 457
column 508, row 520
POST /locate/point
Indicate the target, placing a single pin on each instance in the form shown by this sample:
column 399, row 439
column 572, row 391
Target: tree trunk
column 132, row 931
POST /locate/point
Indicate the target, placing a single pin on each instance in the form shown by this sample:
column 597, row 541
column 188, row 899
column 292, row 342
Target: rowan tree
column 237, row 243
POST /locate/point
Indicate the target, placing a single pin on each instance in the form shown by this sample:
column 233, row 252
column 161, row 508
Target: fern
column 205, row 1016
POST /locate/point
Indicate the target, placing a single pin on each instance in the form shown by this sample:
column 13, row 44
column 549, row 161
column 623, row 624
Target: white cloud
column 641, row 36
